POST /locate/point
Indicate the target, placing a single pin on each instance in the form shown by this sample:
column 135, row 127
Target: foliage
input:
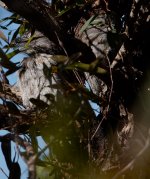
column 100, row 43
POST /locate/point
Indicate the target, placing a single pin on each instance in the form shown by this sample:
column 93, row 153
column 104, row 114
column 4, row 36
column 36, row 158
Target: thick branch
column 41, row 15
column 36, row 13
column 10, row 121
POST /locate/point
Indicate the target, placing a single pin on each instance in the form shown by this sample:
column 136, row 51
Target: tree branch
column 41, row 15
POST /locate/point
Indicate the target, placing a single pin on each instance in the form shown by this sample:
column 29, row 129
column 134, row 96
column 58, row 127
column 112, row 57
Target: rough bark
column 40, row 15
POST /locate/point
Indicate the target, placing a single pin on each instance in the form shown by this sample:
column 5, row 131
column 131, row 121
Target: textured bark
column 39, row 14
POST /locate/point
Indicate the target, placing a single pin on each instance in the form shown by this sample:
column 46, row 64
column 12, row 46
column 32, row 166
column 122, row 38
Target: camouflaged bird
column 95, row 34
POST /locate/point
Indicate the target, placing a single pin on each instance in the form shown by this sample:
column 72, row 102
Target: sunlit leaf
column 2, row 36
column 12, row 54
column 29, row 41
column 22, row 29
column 87, row 23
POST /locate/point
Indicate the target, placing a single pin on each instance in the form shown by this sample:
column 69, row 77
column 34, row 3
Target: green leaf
column 13, row 16
column 29, row 41
column 22, row 29
column 13, row 53
column 87, row 23
column 6, row 63
column 15, row 34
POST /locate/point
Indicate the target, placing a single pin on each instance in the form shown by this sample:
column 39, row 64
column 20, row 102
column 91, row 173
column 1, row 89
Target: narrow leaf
column 12, row 108
column 13, row 53
column 6, row 149
column 3, row 27
column 3, row 56
column 87, row 23
column 5, row 62
column 15, row 34
column 22, row 29
column 3, row 37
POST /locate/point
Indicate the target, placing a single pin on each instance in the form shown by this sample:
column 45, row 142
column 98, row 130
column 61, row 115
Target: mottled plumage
column 33, row 82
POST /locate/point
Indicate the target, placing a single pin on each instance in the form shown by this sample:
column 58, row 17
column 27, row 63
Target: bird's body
column 33, row 82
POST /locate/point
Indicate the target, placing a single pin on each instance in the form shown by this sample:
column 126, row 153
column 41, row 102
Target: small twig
column 118, row 57
column 61, row 44
column 99, row 125
column 3, row 172
column 110, row 95
column 112, row 83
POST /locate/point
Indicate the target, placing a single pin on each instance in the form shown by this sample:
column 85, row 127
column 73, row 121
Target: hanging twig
column 109, row 100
